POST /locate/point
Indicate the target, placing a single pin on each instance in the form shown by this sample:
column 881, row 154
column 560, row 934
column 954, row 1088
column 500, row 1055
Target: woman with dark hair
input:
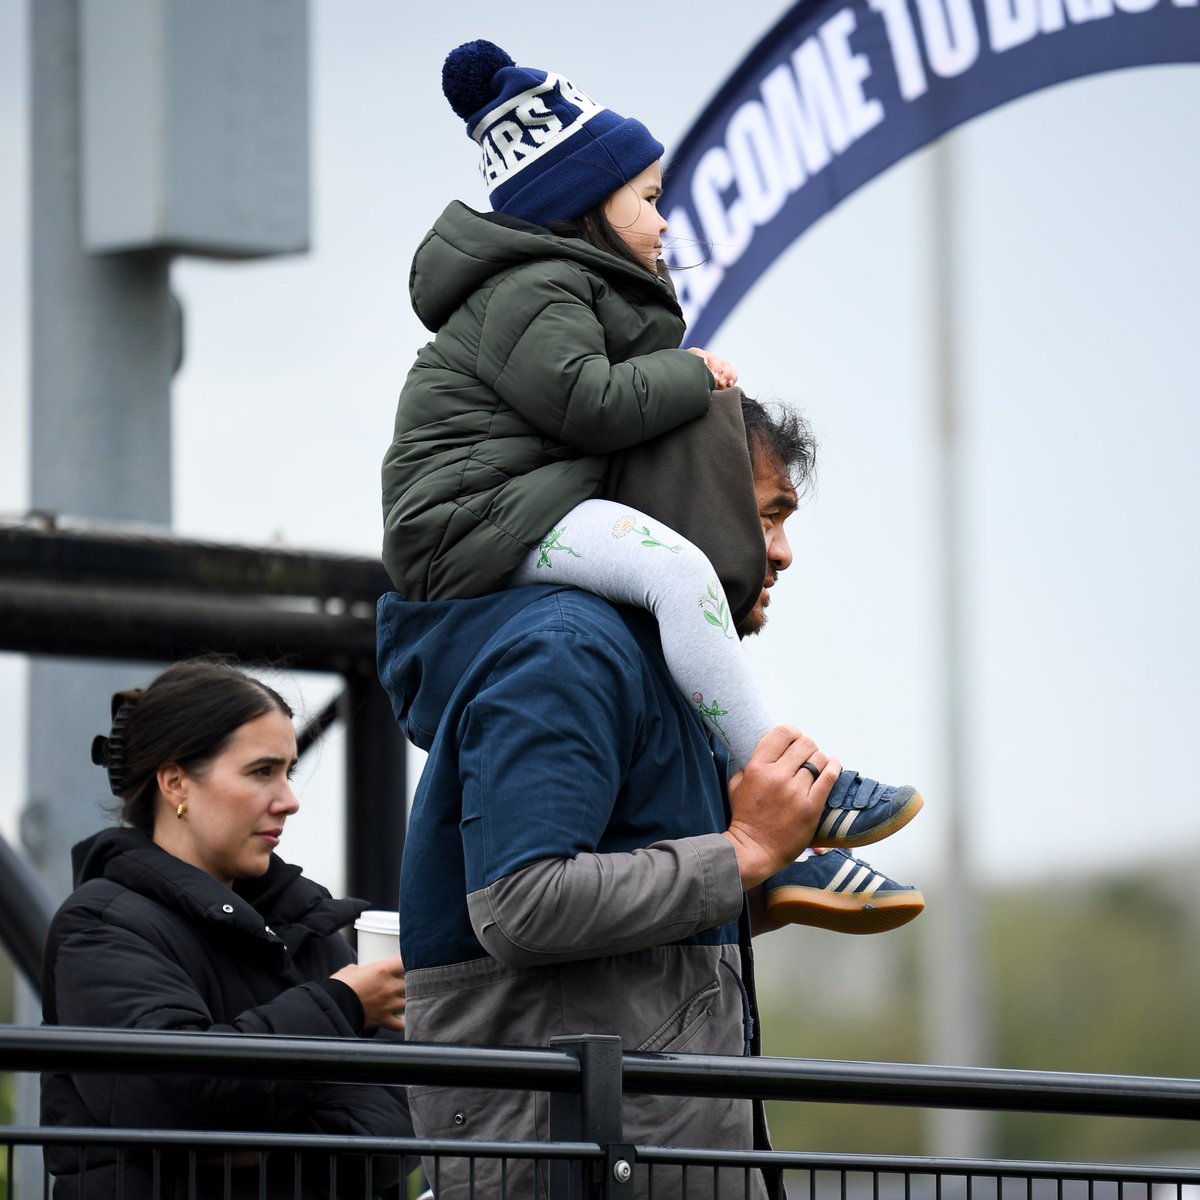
column 185, row 919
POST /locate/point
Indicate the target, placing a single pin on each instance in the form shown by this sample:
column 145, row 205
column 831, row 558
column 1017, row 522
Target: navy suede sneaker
column 861, row 811
column 841, row 893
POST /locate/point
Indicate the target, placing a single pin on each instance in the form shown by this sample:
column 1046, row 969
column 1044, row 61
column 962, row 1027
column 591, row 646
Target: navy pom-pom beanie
column 549, row 152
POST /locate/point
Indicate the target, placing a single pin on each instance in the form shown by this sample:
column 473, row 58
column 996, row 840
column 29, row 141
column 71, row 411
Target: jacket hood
column 465, row 249
column 90, row 857
column 425, row 648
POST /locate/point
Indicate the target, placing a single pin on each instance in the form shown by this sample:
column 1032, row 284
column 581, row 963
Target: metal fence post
column 375, row 788
column 592, row 1115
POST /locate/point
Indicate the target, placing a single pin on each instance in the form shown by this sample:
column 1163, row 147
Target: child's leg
column 625, row 556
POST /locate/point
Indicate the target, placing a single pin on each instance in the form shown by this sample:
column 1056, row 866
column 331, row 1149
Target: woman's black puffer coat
column 147, row 941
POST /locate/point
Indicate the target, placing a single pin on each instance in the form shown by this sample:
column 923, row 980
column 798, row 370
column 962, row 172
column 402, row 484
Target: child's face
column 632, row 211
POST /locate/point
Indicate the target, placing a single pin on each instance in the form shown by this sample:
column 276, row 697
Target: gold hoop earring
column 181, row 809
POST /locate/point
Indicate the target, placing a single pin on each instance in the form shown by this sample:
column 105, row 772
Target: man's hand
column 379, row 987
column 776, row 803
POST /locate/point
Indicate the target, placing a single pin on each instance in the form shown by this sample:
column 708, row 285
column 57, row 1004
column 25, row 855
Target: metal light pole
column 955, row 1001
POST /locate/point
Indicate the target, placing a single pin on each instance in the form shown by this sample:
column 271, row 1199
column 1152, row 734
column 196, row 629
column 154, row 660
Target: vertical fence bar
column 592, row 1115
column 375, row 789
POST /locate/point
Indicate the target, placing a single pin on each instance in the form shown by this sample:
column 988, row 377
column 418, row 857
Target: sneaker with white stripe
column 833, row 890
column 861, row 811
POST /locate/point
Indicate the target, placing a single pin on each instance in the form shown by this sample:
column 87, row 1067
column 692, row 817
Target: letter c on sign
column 728, row 230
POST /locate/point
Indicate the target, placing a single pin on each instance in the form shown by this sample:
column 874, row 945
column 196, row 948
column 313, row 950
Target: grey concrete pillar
column 105, row 340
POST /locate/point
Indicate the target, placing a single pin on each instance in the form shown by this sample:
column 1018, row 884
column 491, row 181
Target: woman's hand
column 722, row 371
column 379, row 987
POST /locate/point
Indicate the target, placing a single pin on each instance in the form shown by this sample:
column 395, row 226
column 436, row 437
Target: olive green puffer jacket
column 549, row 354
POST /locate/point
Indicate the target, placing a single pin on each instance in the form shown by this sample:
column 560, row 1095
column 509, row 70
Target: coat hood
column 90, row 857
column 465, row 249
column 425, row 648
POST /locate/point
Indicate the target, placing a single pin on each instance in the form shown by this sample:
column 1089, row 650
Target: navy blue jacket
column 564, row 870
column 554, row 730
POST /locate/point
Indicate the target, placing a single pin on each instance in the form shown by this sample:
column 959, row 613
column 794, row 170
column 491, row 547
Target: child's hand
column 722, row 371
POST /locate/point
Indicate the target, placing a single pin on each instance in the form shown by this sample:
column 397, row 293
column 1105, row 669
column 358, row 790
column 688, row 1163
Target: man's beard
column 751, row 628
column 754, row 621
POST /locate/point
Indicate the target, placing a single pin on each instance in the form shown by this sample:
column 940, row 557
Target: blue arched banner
column 838, row 91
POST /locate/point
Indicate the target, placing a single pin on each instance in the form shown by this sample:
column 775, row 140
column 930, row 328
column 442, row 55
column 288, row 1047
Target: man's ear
column 172, row 783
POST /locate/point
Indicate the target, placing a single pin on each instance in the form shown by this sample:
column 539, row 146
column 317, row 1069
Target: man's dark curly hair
column 785, row 435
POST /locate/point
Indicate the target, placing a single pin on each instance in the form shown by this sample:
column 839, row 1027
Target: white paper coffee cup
column 378, row 935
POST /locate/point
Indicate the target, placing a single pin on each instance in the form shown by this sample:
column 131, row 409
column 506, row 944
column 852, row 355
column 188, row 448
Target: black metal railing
column 586, row 1154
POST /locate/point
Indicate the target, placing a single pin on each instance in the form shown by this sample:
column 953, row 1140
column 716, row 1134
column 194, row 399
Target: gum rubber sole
column 843, row 912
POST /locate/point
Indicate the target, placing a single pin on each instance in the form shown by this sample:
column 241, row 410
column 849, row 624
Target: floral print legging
column 625, row 556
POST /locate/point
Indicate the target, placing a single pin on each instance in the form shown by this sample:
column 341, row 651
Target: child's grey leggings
column 627, row 557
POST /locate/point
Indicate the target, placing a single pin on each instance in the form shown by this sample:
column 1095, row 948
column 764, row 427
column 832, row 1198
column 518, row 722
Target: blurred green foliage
column 1099, row 975
column 1103, row 978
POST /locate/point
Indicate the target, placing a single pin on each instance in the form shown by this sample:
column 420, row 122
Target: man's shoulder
column 435, row 656
column 572, row 639
column 578, row 614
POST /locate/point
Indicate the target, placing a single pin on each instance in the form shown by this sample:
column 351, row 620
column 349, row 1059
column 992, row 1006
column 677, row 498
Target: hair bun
column 467, row 75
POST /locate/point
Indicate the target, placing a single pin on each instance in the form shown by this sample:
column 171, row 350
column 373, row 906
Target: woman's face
column 632, row 211
column 237, row 805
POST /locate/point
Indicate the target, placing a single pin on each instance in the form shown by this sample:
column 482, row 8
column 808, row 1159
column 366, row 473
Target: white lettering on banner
column 697, row 277
column 727, row 230
column 798, row 131
column 849, row 70
column 906, row 52
column 951, row 35
column 1010, row 22
column 807, row 111
column 755, row 163
column 818, row 93
column 814, row 105
column 1054, row 15
column 1080, row 11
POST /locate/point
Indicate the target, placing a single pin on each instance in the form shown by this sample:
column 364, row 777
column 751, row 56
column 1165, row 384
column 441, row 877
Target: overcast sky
column 1077, row 265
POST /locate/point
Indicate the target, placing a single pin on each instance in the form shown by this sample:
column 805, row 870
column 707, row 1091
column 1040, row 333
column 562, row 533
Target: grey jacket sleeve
column 593, row 905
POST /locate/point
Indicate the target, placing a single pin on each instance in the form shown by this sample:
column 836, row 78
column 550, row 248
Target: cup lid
column 378, row 920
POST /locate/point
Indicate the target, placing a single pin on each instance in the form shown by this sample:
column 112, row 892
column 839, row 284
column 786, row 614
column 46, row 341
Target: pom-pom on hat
column 549, row 151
